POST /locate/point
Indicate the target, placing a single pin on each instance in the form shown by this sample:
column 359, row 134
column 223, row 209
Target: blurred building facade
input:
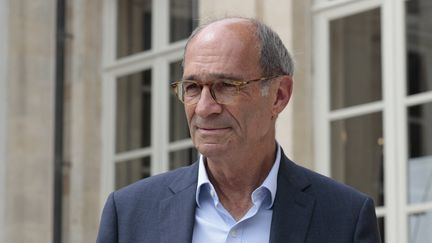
column 361, row 111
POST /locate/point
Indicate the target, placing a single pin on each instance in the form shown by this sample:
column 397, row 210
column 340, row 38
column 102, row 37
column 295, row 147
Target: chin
column 212, row 149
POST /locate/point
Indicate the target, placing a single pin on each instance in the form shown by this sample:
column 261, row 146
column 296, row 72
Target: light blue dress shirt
column 214, row 224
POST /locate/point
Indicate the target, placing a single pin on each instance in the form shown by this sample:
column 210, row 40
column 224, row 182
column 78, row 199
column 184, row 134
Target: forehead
column 226, row 47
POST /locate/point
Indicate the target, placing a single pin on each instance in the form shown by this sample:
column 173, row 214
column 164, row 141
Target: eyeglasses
column 223, row 91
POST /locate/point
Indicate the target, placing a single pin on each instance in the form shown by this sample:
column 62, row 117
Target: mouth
column 212, row 130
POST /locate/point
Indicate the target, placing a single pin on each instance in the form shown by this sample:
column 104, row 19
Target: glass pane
column 183, row 18
column 420, row 153
column 420, row 227
column 178, row 123
column 355, row 59
column 133, row 111
column 130, row 171
column 134, row 21
column 419, row 50
column 381, row 226
column 182, row 158
column 357, row 154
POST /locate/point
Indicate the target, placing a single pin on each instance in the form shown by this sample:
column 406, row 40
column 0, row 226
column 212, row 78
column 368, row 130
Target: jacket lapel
column 292, row 209
column 177, row 213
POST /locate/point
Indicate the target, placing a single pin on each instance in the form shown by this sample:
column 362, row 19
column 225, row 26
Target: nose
column 207, row 105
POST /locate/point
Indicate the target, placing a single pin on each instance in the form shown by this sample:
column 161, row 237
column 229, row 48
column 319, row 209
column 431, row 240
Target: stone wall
column 302, row 130
column 4, row 23
column 27, row 120
column 83, row 121
column 29, row 146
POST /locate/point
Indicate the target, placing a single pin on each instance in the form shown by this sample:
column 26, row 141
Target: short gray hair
column 274, row 57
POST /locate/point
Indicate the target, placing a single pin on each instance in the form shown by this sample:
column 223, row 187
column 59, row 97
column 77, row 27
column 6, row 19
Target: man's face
column 227, row 51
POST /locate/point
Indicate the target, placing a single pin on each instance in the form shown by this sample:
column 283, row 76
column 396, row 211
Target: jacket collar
column 177, row 212
column 293, row 207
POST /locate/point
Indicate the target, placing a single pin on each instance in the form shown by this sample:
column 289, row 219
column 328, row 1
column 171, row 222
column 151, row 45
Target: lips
column 212, row 128
column 211, row 131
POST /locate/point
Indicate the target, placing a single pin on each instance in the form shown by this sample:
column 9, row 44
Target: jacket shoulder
column 323, row 186
column 340, row 209
column 156, row 187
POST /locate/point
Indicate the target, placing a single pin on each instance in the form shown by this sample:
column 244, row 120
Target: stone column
column 83, row 121
column 4, row 23
column 28, row 165
column 303, row 110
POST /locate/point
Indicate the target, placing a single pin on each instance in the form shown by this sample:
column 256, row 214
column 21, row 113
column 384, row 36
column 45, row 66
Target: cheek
column 248, row 119
column 189, row 113
column 259, row 119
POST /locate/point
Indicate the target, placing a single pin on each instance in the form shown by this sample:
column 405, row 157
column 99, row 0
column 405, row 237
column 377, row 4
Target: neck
column 237, row 177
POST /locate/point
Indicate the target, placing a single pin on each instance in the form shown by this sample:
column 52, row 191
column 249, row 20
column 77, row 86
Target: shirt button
column 233, row 233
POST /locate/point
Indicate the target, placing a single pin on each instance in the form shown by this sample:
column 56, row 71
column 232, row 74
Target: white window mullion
column 399, row 69
column 419, row 207
column 109, row 33
column 137, row 60
column 418, row 99
column 338, row 10
column 160, row 24
column 325, row 5
column 159, row 113
column 180, row 144
column 357, row 110
column 321, row 77
column 160, row 123
column 133, row 154
column 135, row 67
column 108, row 107
column 381, row 212
column 392, row 199
column 108, row 136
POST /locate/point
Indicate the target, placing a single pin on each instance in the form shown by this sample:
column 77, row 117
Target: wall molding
column 4, row 38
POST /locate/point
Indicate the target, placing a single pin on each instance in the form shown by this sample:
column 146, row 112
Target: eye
column 228, row 84
column 225, row 86
column 191, row 87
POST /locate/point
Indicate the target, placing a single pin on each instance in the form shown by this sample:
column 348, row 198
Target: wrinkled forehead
column 229, row 29
column 226, row 46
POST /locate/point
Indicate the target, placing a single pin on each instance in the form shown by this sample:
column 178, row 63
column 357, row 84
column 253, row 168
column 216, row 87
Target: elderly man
column 237, row 79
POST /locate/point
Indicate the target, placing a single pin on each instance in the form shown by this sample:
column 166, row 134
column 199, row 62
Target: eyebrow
column 211, row 76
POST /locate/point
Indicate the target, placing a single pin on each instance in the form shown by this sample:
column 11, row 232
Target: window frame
column 393, row 105
column 157, row 59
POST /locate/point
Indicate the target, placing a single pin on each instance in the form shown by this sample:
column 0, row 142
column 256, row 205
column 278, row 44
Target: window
column 145, row 128
column 418, row 105
column 373, row 90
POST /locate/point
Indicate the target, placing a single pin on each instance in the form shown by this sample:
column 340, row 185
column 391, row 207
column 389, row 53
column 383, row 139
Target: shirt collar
column 203, row 180
column 270, row 182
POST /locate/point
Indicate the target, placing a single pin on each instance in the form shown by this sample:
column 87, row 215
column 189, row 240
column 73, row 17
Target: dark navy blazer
column 308, row 208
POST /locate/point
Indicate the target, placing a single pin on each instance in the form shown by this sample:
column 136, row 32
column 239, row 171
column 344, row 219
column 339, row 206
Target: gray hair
column 274, row 57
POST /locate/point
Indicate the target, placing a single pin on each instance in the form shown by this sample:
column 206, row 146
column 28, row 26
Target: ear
column 283, row 94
